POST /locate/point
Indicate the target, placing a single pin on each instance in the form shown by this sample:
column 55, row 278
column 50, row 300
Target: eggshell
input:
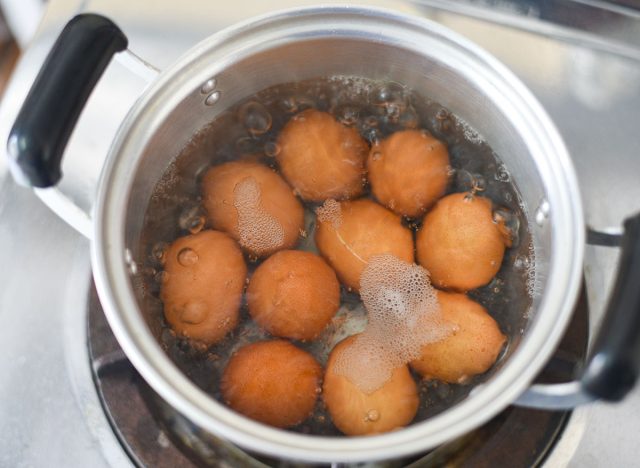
column 365, row 229
column 277, row 212
column 472, row 349
column 354, row 412
column 272, row 382
column 408, row 171
column 293, row 294
column 459, row 242
column 204, row 276
column 322, row 158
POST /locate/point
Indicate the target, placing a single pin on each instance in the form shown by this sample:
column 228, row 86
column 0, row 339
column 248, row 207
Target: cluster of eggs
column 364, row 245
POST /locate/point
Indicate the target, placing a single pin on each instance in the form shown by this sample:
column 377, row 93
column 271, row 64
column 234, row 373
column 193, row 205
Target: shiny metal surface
column 377, row 44
column 561, row 396
column 593, row 97
column 607, row 26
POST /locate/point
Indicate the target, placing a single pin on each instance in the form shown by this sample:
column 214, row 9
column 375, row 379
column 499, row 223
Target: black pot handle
column 49, row 113
column 613, row 365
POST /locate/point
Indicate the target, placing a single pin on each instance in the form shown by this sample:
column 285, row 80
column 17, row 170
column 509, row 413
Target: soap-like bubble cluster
column 259, row 232
column 404, row 315
column 330, row 212
column 534, row 282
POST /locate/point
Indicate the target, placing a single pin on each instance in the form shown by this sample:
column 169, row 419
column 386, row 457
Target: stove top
column 50, row 412
column 154, row 434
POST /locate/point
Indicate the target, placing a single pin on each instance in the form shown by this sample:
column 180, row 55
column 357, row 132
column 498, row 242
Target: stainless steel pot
column 296, row 45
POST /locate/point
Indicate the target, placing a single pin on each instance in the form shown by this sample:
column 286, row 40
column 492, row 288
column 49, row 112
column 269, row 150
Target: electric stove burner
column 155, row 435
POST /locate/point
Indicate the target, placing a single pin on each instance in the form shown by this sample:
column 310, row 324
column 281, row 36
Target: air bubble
column 271, row 149
column 521, row 263
column 187, row 257
column 246, row 145
column 409, row 119
column 212, row 98
column 192, row 219
column 464, row 180
column 479, row 183
column 371, row 121
column 508, row 223
column 542, row 212
column 373, row 136
column 372, row 415
column 258, row 230
column 391, row 96
column 347, row 115
column 255, row 118
column 295, row 104
column 128, row 258
column 501, row 174
column 469, row 182
column 443, row 121
column 194, row 312
column 393, row 112
column 208, row 86
column 160, row 277
column 159, row 252
column 330, row 212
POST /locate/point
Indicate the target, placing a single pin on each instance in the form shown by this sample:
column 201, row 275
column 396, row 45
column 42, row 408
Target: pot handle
column 49, row 113
column 614, row 362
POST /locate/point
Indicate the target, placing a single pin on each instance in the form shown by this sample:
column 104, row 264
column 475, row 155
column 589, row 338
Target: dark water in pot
column 376, row 109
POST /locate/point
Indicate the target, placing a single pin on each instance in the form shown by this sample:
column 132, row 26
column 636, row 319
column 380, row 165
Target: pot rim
column 486, row 400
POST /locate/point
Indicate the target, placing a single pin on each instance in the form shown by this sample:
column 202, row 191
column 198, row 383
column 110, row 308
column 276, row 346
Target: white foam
column 330, row 212
column 534, row 283
column 470, row 134
column 259, row 231
column 404, row 315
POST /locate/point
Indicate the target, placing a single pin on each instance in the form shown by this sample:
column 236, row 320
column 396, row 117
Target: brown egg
column 364, row 229
column 460, row 244
column 470, row 350
column 322, row 158
column 204, row 275
column 408, row 171
column 293, row 294
column 354, row 412
column 272, row 382
column 254, row 205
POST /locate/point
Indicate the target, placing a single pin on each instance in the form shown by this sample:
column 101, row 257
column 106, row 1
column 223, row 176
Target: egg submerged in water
column 321, row 158
column 459, row 242
column 273, row 382
column 357, row 230
column 355, row 412
column 472, row 349
column 374, row 188
column 203, row 280
column 293, row 294
column 254, row 205
column 408, row 171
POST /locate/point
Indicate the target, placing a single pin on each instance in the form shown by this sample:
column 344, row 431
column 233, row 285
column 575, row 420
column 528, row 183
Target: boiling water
column 376, row 109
